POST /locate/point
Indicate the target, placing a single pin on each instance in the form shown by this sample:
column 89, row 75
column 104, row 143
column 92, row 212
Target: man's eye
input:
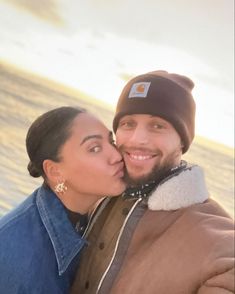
column 157, row 126
column 127, row 124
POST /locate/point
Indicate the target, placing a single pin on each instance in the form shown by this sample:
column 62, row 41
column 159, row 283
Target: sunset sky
column 95, row 46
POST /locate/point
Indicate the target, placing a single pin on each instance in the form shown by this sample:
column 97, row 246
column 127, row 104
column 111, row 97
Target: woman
column 41, row 239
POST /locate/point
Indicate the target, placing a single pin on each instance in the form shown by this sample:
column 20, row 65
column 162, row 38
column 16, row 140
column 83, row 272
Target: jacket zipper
column 116, row 247
column 102, row 203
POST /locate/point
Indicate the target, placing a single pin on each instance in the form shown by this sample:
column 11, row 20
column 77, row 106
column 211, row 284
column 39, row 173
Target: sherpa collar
column 180, row 190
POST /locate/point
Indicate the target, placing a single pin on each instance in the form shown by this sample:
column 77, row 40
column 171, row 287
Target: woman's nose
column 115, row 155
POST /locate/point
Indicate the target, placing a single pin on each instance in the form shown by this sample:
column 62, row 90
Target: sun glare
column 95, row 63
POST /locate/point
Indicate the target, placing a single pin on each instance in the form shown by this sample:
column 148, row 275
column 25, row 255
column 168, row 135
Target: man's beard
column 157, row 174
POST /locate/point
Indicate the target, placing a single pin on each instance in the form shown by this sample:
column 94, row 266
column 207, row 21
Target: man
column 164, row 235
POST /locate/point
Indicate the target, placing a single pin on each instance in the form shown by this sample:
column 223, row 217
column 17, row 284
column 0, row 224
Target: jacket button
column 101, row 245
column 125, row 211
column 87, row 284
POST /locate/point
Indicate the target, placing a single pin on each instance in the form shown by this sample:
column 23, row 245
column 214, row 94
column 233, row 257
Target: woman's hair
column 47, row 135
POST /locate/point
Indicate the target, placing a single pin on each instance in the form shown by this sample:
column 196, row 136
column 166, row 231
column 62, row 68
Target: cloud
column 43, row 9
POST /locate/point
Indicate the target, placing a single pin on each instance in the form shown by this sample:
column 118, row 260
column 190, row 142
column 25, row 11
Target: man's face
column 150, row 146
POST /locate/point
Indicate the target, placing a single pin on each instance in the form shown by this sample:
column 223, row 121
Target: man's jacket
column 177, row 242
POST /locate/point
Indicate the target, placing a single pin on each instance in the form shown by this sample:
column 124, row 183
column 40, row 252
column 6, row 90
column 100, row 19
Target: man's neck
column 145, row 189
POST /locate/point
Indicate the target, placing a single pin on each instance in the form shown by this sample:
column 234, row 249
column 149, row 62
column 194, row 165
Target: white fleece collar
column 182, row 190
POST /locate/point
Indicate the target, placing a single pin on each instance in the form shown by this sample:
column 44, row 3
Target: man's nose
column 139, row 136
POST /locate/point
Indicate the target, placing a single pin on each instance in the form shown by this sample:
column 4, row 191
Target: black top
column 78, row 220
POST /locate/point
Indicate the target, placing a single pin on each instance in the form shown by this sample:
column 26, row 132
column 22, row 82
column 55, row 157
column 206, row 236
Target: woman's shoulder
column 18, row 215
column 21, row 232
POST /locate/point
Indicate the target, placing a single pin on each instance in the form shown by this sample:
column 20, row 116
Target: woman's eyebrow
column 91, row 137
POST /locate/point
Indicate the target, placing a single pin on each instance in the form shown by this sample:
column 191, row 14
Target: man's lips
column 139, row 156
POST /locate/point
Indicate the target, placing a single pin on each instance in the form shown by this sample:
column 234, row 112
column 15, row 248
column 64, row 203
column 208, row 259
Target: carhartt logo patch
column 139, row 90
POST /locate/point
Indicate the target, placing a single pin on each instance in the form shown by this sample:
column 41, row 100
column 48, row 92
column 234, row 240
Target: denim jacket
column 39, row 248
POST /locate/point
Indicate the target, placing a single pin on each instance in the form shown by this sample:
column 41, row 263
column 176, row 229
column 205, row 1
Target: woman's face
column 89, row 161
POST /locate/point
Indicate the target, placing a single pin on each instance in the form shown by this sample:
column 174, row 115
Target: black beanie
column 162, row 94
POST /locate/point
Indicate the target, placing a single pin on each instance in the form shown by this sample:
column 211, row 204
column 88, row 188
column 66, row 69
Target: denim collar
column 65, row 240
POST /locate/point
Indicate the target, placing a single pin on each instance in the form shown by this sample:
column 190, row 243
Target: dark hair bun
column 33, row 171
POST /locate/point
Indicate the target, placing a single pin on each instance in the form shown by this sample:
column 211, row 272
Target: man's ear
column 52, row 170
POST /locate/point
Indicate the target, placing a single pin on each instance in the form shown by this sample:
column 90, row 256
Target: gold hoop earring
column 61, row 188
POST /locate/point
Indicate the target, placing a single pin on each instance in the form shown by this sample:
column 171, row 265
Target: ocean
column 23, row 97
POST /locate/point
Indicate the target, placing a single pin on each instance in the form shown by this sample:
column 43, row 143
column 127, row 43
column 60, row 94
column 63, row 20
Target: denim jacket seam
column 63, row 260
column 51, row 231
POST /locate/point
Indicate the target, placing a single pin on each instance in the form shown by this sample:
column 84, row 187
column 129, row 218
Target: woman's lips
column 120, row 171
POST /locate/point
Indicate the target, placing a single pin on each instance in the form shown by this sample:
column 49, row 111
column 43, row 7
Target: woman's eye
column 95, row 149
column 113, row 142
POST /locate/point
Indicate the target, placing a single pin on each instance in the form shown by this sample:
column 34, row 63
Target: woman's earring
column 61, row 188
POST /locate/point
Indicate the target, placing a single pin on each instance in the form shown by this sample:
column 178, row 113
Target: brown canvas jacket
column 178, row 242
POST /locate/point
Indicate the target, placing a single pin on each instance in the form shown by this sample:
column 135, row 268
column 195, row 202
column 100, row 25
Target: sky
column 95, row 46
